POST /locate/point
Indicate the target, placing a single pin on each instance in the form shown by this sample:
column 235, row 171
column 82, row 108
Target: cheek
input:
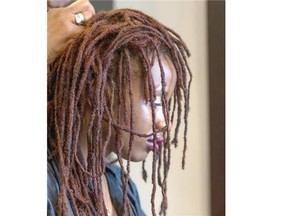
column 143, row 117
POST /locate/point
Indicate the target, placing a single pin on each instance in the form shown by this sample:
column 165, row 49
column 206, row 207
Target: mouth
column 159, row 141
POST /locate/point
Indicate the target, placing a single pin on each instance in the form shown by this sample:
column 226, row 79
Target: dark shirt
column 113, row 176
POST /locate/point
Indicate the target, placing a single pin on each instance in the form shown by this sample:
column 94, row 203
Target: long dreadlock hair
column 97, row 59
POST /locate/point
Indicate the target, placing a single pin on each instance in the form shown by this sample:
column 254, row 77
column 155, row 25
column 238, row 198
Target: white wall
column 188, row 190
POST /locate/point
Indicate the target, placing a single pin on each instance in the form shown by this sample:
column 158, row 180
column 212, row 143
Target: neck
column 84, row 150
column 84, row 147
column 83, row 143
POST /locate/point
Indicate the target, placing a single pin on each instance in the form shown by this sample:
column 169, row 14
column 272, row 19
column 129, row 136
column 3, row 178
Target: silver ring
column 79, row 19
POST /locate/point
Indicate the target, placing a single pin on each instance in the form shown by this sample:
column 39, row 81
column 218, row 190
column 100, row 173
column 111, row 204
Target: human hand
column 61, row 25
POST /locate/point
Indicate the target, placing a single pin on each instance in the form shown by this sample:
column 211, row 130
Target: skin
column 143, row 121
column 61, row 29
column 56, row 3
column 61, row 26
column 143, row 114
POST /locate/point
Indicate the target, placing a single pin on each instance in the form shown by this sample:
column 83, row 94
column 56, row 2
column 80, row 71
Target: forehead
column 166, row 63
column 168, row 69
column 167, row 66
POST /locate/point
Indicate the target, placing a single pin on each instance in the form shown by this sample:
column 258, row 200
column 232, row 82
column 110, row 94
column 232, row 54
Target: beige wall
column 188, row 190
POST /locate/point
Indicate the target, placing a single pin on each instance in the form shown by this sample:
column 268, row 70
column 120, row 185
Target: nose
column 160, row 122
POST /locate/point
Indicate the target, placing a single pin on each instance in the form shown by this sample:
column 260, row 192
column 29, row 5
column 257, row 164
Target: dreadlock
column 97, row 60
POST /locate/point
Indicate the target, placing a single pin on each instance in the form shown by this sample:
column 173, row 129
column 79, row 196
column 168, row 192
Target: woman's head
column 143, row 110
column 121, row 83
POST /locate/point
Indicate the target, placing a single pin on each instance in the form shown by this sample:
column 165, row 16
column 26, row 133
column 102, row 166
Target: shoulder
column 52, row 188
column 113, row 172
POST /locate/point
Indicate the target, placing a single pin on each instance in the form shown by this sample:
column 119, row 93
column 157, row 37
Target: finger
column 81, row 6
column 87, row 15
column 70, row 17
column 56, row 3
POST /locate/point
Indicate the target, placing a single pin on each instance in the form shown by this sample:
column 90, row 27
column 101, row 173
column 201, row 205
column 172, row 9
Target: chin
column 135, row 156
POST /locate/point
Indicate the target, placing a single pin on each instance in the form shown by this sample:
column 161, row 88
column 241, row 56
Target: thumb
column 80, row 6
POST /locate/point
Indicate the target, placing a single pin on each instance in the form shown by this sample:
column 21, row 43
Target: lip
column 159, row 142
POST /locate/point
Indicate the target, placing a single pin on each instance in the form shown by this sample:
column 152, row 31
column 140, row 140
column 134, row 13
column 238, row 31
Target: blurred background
column 199, row 190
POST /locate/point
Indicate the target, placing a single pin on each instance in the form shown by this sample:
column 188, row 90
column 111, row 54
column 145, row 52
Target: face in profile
column 143, row 121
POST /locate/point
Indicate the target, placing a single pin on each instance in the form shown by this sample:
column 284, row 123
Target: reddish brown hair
column 98, row 58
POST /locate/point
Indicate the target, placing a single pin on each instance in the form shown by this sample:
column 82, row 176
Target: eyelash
column 157, row 104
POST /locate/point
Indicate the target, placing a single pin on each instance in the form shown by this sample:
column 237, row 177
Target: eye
column 157, row 104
